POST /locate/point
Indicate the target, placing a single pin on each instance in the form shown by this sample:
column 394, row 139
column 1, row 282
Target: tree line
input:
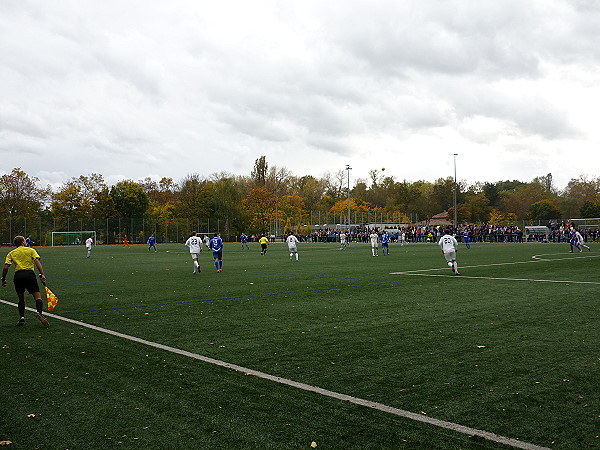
column 251, row 202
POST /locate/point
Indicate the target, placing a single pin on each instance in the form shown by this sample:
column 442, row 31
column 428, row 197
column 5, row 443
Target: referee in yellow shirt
column 25, row 259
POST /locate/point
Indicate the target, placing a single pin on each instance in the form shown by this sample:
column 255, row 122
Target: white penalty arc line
column 307, row 387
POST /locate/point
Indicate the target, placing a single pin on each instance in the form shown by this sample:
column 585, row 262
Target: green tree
column 194, row 198
column 544, row 210
column 590, row 209
column 21, row 195
column 259, row 173
column 129, row 198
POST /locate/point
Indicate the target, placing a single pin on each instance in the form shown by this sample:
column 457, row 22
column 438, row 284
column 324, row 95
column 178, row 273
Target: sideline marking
column 307, row 387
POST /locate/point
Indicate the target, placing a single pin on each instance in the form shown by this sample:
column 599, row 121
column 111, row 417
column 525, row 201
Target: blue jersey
column 572, row 237
column 244, row 238
column 151, row 241
column 216, row 244
column 384, row 239
column 466, row 236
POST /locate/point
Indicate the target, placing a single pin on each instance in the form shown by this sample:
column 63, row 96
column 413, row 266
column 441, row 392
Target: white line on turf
column 307, row 387
column 497, row 278
column 535, row 260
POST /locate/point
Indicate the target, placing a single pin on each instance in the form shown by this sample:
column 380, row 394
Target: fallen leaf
column 480, row 346
column 31, row 416
column 5, row 443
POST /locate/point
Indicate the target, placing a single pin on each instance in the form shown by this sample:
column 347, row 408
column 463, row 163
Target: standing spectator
column 25, row 259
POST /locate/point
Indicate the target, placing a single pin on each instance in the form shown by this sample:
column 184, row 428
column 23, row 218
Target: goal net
column 71, row 237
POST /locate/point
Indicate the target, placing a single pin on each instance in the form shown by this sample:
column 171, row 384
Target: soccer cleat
column 42, row 319
column 456, row 273
column 219, row 270
column 580, row 251
column 21, row 322
column 570, row 251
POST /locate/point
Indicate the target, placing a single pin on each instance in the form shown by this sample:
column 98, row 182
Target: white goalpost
column 71, row 237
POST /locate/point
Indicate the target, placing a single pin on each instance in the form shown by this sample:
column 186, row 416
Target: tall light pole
column 348, row 168
column 455, row 189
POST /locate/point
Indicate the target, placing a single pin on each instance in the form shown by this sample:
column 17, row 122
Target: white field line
column 536, row 259
column 497, row 278
column 307, row 387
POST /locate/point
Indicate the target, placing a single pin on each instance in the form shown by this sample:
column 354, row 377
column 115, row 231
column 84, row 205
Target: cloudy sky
column 135, row 89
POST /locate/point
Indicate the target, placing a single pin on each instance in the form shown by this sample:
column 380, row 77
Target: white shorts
column 194, row 255
column 293, row 249
column 450, row 255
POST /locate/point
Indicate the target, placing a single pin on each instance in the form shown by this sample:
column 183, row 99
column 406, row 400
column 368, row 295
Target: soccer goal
column 71, row 237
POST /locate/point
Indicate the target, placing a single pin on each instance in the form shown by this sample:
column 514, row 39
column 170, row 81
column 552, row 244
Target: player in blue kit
column 573, row 241
column 385, row 243
column 152, row 242
column 216, row 245
column 467, row 237
column 244, row 240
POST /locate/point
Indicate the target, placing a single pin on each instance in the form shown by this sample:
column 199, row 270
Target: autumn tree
column 259, row 206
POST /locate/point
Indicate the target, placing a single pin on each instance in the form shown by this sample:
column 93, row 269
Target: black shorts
column 25, row 279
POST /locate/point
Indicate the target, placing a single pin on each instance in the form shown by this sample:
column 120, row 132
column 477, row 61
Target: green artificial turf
column 502, row 348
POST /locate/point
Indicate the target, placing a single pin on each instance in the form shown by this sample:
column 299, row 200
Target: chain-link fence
column 112, row 231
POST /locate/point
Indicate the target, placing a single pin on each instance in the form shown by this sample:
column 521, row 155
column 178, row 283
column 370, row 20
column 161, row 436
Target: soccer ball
column 450, row 264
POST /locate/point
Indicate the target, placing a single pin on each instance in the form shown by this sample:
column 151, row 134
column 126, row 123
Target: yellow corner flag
column 52, row 299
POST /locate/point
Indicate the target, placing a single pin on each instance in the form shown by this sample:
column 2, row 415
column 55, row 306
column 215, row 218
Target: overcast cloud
column 134, row 89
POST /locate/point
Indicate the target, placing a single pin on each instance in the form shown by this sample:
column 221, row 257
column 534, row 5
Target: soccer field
column 338, row 348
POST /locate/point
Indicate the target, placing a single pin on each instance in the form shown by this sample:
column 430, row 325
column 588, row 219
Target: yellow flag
column 52, row 299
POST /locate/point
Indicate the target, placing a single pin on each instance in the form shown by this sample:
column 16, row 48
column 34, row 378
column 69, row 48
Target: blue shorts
column 218, row 254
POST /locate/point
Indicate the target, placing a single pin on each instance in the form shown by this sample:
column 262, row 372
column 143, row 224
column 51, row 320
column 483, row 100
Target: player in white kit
column 449, row 246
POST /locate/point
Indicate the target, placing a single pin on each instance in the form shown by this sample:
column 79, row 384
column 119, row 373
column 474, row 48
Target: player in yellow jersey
column 25, row 259
column 264, row 242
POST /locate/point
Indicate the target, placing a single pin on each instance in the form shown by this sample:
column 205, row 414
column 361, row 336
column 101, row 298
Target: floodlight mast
column 454, row 196
column 348, row 169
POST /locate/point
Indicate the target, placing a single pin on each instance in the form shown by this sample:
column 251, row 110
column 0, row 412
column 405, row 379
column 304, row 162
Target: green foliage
column 21, row 195
column 590, row 209
column 129, row 198
column 544, row 210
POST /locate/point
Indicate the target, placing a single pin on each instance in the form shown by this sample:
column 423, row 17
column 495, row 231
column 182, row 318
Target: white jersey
column 343, row 238
column 291, row 241
column 195, row 244
column 448, row 243
column 374, row 237
column 88, row 243
column 579, row 237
